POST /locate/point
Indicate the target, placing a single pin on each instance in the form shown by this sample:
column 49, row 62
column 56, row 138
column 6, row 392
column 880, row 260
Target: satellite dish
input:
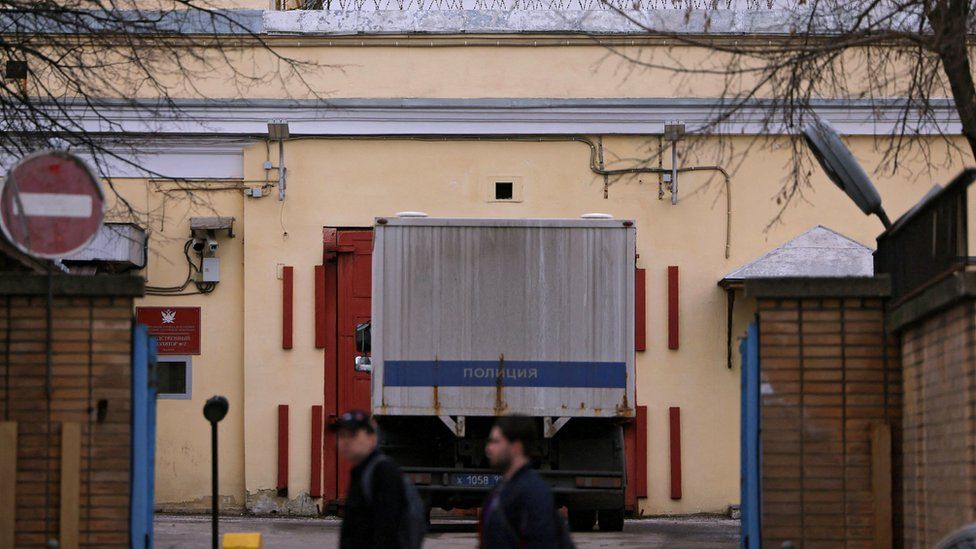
column 843, row 169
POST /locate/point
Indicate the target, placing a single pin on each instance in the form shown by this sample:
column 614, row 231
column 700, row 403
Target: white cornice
column 469, row 17
column 490, row 117
column 564, row 16
column 205, row 139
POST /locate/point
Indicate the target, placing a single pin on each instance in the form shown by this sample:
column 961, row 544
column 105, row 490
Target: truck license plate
column 478, row 480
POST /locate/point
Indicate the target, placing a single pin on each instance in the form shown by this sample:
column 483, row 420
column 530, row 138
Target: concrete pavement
column 172, row 531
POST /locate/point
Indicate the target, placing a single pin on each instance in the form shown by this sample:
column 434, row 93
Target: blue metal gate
column 143, row 449
column 751, row 441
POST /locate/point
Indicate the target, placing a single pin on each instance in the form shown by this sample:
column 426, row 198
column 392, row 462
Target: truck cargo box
column 484, row 317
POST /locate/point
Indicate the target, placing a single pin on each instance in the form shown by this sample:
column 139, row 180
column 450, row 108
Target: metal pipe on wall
column 594, row 160
column 674, row 173
column 281, row 169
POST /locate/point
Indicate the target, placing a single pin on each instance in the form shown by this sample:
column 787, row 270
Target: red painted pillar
column 635, row 444
column 283, row 450
column 673, row 307
column 641, row 473
column 675, row 416
column 631, row 451
column 316, row 489
column 287, row 305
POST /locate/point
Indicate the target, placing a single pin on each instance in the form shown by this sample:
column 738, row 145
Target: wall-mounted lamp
column 674, row 131
column 278, row 131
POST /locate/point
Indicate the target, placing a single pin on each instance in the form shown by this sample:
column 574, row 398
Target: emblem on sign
column 51, row 205
column 176, row 329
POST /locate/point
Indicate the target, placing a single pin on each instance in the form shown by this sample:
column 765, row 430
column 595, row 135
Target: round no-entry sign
column 51, row 205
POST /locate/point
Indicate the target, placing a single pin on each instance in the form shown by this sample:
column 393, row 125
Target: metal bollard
column 214, row 410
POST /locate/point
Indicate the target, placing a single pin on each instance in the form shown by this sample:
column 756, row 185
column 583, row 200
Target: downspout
column 674, row 170
column 728, row 200
column 674, row 174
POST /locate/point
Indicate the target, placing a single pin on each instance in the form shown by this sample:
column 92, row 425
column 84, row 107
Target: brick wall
column 826, row 383
column 939, row 361
column 91, row 365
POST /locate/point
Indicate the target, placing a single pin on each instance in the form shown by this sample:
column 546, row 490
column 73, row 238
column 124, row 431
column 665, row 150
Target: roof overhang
column 818, row 254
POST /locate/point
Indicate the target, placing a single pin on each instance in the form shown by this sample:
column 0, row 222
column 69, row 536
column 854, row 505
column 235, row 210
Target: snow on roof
column 817, row 253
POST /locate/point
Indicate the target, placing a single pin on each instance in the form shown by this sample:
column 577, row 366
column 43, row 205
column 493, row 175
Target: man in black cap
column 374, row 506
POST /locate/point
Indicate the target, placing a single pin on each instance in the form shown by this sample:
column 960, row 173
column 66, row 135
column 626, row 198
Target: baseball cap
column 352, row 421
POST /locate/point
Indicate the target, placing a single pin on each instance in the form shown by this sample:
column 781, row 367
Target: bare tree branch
column 913, row 53
column 100, row 55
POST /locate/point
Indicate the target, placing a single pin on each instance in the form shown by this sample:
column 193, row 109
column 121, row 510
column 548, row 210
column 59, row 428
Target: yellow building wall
column 182, row 433
column 425, row 66
column 346, row 183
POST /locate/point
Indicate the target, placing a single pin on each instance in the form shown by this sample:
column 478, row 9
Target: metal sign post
column 214, row 410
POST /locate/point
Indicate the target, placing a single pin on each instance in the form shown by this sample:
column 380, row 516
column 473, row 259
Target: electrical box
column 211, row 269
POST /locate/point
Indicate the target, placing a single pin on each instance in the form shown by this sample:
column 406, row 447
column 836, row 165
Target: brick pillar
column 939, row 361
column 828, row 376
column 90, row 380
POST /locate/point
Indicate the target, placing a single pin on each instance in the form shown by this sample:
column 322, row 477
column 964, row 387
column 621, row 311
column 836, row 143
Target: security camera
column 198, row 245
column 212, row 245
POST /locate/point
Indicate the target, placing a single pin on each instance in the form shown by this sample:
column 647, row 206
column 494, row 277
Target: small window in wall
column 174, row 376
column 504, row 188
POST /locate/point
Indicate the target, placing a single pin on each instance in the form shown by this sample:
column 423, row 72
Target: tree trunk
column 949, row 22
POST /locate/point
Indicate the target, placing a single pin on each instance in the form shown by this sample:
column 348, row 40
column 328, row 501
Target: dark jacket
column 372, row 523
column 520, row 513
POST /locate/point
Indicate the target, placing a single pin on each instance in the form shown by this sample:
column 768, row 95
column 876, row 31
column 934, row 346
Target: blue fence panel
column 751, row 441
column 143, row 432
column 151, row 439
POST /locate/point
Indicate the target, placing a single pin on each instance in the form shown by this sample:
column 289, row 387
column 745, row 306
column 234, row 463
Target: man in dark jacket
column 520, row 511
column 369, row 520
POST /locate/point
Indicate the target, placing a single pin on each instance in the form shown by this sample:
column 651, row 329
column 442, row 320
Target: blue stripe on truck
column 513, row 373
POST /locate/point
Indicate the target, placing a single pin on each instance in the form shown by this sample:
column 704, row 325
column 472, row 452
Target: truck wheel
column 611, row 520
column 581, row 520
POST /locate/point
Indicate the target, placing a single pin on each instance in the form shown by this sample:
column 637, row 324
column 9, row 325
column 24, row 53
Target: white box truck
column 477, row 318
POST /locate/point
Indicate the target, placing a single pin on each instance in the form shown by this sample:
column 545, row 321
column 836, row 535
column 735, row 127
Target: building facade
column 461, row 113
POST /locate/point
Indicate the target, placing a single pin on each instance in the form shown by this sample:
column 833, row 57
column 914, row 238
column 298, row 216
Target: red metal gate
column 346, row 302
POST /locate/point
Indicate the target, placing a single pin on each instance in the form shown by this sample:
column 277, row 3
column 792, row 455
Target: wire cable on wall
column 201, row 287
